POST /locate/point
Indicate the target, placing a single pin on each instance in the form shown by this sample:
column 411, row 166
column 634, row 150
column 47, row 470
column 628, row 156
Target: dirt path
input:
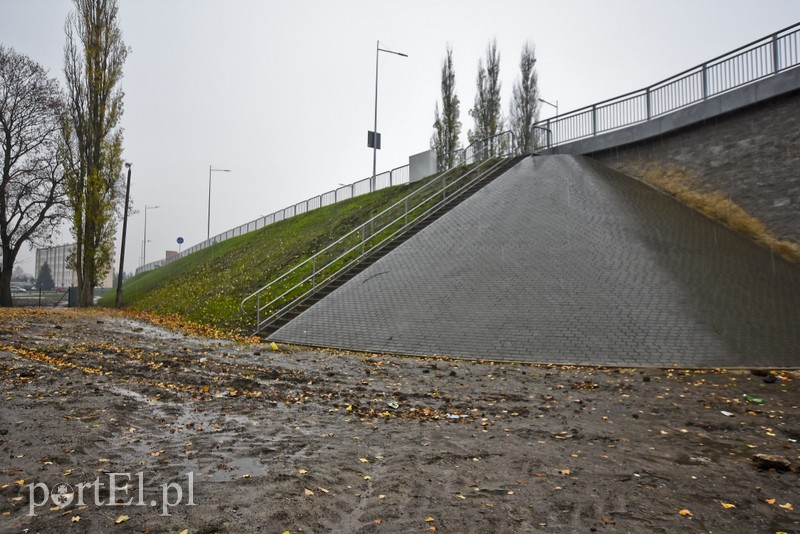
column 314, row 442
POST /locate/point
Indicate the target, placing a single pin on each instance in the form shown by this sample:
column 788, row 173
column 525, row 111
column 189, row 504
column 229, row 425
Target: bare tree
column 31, row 186
column 447, row 127
column 487, row 112
column 525, row 100
column 93, row 58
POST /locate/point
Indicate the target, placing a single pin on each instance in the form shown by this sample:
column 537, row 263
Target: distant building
column 58, row 260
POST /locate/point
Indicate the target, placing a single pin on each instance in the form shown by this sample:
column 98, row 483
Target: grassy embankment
column 206, row 287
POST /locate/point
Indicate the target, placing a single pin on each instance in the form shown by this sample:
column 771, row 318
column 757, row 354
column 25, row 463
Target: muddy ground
column 317, row 442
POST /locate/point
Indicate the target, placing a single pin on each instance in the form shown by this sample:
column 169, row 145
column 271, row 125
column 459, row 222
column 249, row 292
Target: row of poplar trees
column 487, row 111
column 61, row 150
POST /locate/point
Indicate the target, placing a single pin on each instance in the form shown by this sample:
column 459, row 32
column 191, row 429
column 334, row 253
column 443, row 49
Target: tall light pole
column 542, row 100
column 144, row 241
column 124, row 232
column 211, row 169
column 375, row 136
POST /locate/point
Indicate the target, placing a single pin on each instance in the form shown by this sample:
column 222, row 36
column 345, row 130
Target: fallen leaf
column 76, row 518
column 787, row 506
column 363, row 460
column 302, row 472
column 121, row 519
column 564, row 472
column 308, row 492
column 323, row 490
column 20, row 482
column 184, row 531
column 684, row 512
column 771, row 501
column 727, row 505
column 429, row 519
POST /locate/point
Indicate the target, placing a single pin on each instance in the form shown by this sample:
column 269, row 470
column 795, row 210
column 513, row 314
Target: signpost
column 180, row 242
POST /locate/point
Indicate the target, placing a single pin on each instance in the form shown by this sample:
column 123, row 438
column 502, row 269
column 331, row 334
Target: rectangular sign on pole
column 374, row 140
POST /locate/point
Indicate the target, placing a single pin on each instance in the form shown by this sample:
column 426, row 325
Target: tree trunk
column 5, row 279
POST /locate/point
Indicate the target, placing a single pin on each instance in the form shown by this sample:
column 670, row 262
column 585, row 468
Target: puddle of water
column 238, row 468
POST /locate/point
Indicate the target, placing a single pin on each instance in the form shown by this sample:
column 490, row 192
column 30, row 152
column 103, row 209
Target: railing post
column 314, row 273
column 549, row 139
column 775, row 56
column 406, row 214
column 363, row 237
column 705, row 81
column 258, row 311
column 594, row 119
column 649, row 109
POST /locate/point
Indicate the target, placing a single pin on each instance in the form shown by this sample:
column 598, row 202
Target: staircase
column 347, row 274
column 316, row 277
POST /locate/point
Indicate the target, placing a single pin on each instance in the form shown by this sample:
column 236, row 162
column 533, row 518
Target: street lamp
column 210, row 170
column 374, row 141
column 542, row 100
column 124, row 231
column 144, row 241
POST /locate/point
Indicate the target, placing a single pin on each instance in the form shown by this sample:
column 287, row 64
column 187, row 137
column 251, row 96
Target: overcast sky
column 282, row 93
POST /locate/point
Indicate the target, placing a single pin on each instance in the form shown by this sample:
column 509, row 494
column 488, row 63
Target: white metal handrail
column 754, row 61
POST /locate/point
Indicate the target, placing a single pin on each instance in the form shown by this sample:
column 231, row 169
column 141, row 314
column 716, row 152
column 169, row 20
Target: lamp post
column 144, row 241
column 375, row 138
column 124, row 232
column 211, row 169
column 542, row 100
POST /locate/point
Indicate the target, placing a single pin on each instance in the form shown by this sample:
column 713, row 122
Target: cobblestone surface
column 563, row 260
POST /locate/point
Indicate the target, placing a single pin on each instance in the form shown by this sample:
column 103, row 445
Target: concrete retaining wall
column 750, row 154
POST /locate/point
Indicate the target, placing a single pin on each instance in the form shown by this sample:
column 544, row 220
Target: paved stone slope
column 564, row 260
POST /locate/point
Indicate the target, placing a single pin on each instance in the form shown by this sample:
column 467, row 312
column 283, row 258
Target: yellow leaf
column 308, row 492
column 787, row 506
column 121, row 519
column 685, row 512
column 771, row 501
column 185, row 531
column 363, row 460
column 302, row 471
column 349, row 408
column 429, row 519
column 274, row 346
column 367, row 477
column 727, row 505
column 76, row 518
column 323, row 490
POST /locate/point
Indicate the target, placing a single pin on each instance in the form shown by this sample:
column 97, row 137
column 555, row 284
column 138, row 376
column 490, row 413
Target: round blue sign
column 180, row 241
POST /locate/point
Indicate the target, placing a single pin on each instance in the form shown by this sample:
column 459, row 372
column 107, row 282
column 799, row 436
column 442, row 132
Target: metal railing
column 396, row 176
column 292, row 287
column 752, row 62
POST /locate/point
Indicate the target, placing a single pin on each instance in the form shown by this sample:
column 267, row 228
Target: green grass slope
column 206, row 287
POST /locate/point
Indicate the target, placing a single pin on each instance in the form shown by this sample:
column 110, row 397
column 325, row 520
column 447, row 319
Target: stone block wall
column 751, row 155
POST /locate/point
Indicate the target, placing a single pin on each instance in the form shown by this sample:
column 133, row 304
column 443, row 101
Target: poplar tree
column 93, row 58
column 447, row 127
column 525, row 100
column 487, row 111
